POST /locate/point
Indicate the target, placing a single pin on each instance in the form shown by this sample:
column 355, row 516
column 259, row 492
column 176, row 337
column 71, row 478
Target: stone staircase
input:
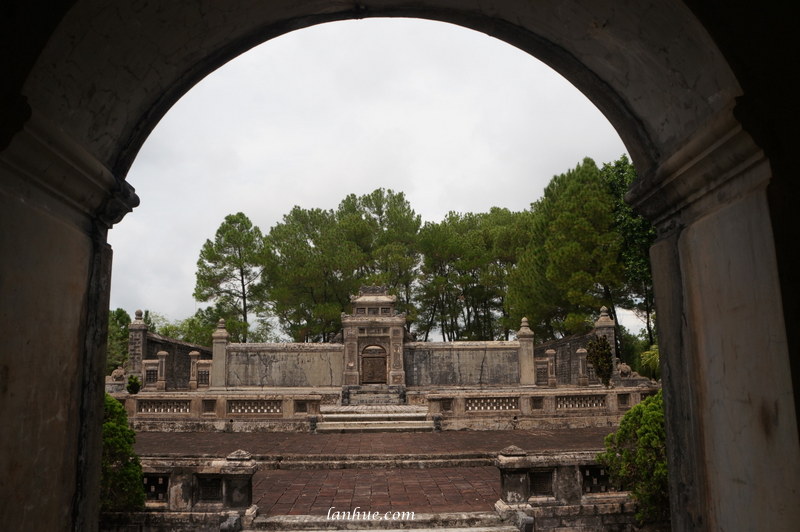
column 374, row 418
column 373, row 394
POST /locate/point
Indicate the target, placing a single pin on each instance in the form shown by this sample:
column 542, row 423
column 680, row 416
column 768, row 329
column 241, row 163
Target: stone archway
column 87, row 83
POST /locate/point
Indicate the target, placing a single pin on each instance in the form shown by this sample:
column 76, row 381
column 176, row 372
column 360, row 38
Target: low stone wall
column 559, row 492
column 461, row 363
column 285, row 365
column 222, row 412
column 532, row 407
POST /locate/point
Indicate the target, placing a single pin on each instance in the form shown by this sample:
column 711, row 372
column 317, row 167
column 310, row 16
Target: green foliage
column 600, row 355
column 637, row 236
column 636, row 458
column 650, row 362
column 117, row 343
column 134, row 384
column 121, row 487
column 230, row 267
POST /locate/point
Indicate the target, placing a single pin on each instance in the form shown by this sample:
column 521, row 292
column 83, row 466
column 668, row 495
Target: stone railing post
column 137, row 346
column 514, row 478
column 194, row 356
column 527, row 365
column 161, row 383
column 219, row 356
column 583, row 377
column 551, row 367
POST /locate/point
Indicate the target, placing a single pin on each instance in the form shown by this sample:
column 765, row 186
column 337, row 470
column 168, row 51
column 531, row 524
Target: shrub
column 636, row 458
column 121, row 487
column 134, row 384
column 600, row 355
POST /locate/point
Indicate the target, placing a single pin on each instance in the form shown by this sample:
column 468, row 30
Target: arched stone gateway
column 699, row 91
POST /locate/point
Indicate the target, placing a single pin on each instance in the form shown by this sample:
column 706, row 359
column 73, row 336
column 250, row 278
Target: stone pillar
column 397, row 373
column 605, row 326
column 583, row 377
column 194, row 356
column 514, row 465
column 351, row 369
column 219, row 358
column 137, row 346
column 161, row 383
column 551, row 368
column 527, row 365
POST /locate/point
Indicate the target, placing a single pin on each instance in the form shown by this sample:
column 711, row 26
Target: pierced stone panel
column 595, row 479
column 476, row 404
column 156, row 486
column 163, row 406
column 203, row 377
column 259, row 406
column 580, row 401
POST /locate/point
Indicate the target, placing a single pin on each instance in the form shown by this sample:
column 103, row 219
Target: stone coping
column 487, row 345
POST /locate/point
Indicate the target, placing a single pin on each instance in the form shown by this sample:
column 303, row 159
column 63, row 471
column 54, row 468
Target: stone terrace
column 307, row 474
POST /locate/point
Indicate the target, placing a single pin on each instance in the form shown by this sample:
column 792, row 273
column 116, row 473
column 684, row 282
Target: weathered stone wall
column 177, row 364
column 285, row 365
column 567, row 365
column 461, row 363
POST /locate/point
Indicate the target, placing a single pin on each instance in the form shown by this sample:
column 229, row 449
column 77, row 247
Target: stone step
column 375, row 426
column 376, row 401
column 378, row 416
column 454, row 521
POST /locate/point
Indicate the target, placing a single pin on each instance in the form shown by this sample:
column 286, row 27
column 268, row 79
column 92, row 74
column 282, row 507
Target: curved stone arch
column 93, row 79
column 113, row 84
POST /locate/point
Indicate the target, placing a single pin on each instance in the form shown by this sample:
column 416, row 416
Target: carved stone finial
column 239, row 455
column 138, row 315
column 221, row 323
column 604, row 320
column 513, row 450
column 524, row 329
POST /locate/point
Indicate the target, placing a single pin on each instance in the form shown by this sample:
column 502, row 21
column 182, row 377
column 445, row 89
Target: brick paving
column 436, row 490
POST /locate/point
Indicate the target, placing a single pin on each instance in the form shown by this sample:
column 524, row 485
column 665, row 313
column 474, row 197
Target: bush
column 121, row 486
column 600, row 355
column 636, row 458
column 134, row 384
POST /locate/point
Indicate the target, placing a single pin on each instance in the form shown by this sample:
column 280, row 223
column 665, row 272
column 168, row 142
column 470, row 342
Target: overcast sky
column 455, row 119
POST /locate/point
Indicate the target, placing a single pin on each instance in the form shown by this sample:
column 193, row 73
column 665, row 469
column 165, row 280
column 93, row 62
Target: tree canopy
column 229, row 268
column 471, row 276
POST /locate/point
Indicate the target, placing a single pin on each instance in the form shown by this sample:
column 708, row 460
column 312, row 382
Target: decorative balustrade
column 483, row 404
column 257, row 406
column 580, row 401
column 163, row 406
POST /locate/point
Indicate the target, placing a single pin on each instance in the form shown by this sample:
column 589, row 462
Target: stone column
column 351, row 370
column 583, row 377
column 194, row 356
column 397, row 374
column 161, row 383
column 527, row 366
column 551, row 368
column 137, row 346
column 605, row 326
column 219, row 358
